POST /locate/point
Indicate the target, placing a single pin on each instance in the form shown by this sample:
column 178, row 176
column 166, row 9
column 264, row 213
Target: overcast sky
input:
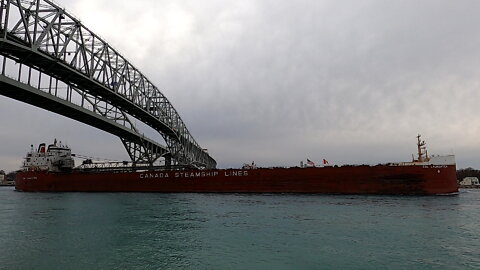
column 277, row 82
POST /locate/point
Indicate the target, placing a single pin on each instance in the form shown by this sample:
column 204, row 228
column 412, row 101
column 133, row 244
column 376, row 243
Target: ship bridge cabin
column 56, row 157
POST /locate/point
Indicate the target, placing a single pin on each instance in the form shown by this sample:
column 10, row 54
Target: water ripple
column 237, row 231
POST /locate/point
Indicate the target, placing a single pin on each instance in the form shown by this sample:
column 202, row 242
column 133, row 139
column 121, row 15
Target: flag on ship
column 310, row 163
column 325, row 162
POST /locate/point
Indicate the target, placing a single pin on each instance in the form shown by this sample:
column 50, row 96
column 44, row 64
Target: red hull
column 382, row 179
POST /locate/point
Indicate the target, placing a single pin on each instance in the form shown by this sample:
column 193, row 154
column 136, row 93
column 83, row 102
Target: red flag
column 325, row 162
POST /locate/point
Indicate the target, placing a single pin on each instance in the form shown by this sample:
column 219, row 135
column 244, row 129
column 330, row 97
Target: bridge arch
column 60, row 65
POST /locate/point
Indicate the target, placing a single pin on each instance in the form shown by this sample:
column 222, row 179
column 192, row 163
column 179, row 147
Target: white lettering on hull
column 434, row 166
column 236, row 173
column 196, row 174
column 153, row 175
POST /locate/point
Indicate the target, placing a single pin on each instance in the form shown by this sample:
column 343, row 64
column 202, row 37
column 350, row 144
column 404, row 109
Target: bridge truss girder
column 43, row 36
column 56, row 97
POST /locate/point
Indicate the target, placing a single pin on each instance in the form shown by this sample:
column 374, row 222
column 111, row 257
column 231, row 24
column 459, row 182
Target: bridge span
column 49, row 59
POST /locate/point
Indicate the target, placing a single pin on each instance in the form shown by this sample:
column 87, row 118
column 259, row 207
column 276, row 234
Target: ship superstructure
column 424, row 159
column 54, row 158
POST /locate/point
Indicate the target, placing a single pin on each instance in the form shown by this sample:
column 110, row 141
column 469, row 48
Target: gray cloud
column 280, row 81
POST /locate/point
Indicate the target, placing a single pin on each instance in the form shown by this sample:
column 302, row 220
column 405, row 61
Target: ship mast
column 422, row 150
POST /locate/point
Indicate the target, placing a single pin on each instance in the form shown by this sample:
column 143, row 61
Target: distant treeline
column 9, row 176
column 468, row 172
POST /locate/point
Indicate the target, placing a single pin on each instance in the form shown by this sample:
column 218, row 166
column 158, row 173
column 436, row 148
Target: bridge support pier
column 140, row 154
column 168, row 161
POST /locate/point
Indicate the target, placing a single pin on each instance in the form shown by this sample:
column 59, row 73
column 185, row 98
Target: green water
column 237, row 231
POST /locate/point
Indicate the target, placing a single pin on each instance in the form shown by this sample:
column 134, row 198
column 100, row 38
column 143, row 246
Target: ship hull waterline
column 380, row 179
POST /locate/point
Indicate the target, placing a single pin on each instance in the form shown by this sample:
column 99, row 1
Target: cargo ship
column 52, row 170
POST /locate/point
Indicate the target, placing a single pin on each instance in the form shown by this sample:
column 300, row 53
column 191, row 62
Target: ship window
column 28, row 159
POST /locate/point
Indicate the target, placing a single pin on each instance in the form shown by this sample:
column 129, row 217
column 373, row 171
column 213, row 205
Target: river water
column 237, row 231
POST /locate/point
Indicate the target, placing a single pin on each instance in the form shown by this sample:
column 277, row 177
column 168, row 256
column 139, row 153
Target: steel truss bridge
column 49, row 59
